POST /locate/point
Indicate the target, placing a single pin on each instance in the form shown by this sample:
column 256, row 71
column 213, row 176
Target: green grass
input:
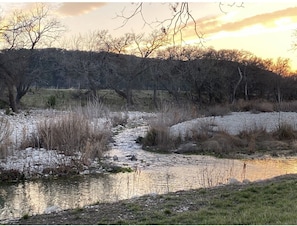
column 271, row 204
column 66, row 98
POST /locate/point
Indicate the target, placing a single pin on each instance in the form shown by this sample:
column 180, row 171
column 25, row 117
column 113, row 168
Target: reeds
column 5, row 137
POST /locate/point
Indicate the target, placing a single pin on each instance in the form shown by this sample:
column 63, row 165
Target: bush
column 51, row 101
column 158, row 137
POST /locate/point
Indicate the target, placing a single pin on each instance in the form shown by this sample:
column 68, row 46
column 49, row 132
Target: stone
column 115, row 158
column 188, row 147
column 246, row 181
column 133, row 158
column 52, row 209
column 233, row 181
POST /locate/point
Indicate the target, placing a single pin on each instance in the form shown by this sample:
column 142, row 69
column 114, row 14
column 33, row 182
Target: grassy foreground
column 267, row 202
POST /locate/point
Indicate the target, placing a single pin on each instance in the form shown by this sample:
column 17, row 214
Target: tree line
column 202, row 76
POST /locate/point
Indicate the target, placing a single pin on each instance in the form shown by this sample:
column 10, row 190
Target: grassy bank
column 66, row 98
column 268, row 202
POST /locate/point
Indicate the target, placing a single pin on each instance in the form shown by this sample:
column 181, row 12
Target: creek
column 153, row 174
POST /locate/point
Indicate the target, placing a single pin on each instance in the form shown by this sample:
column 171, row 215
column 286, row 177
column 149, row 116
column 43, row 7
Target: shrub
column 51, row 101
column 158, row 137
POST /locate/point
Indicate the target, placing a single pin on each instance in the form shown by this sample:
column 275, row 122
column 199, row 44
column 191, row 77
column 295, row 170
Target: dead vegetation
column 5, row 140
column 206, row 138
column 72, row 135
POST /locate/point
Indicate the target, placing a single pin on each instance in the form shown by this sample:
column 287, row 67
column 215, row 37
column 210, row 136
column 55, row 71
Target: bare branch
column 230, row 5
column 174, row 25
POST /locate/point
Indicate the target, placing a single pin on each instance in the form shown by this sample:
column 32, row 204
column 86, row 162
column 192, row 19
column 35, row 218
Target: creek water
column 33, row 197
column 154, row 174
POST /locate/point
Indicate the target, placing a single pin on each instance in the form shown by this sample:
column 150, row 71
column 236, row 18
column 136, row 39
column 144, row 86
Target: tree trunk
column 155, row 97
column 245, row 85
column 12, row 99
column 129, row 97
column 236, row 86
column 21, row 91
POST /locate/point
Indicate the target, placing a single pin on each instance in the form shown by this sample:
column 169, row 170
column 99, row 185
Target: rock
column 188, row 147
column 246, row 181
column 132, row 157
column 233, row 181
column 139, row 140
column 52, row 209
column 115, row 158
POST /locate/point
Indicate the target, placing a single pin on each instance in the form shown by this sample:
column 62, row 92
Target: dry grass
column 5, row 141
column 206, row 138
column 254, row 106
column 290, row 106
column 93, row 109
column 285, row 132
column 158, row 134
column 172, row 114
column 217, row 110
column 73, row 135
column 119, row 118
column 202, row 131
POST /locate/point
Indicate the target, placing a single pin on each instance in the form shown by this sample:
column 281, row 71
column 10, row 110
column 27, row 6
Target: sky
column 264, row 28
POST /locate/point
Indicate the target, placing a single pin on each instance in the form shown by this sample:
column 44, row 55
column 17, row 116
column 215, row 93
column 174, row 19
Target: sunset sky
column 264, row 28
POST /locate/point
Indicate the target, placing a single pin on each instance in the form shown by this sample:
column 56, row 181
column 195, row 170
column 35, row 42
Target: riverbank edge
column 127, row 211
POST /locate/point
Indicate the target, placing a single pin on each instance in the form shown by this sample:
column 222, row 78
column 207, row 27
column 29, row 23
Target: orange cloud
column 213, row 24
column 78, row 8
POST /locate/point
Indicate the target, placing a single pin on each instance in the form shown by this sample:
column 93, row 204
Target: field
column 66, row 98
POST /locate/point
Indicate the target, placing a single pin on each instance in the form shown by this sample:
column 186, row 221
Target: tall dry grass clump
column 289, row 106
column 172, row 114
column 255, row 106
column 5, row 133
column 72, row 135
column 158, row 135
column 93, row 109
column 285, row 132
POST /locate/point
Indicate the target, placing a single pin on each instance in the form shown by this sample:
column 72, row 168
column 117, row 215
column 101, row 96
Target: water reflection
column 35, row 196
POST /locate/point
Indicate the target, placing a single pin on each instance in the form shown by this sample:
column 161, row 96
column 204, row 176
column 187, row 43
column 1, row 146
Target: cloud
column 213, row 24
column 78, row 8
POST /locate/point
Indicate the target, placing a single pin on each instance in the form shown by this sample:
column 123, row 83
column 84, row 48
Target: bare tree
column 281, row 67
column 181, row 17
column 24, row 30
